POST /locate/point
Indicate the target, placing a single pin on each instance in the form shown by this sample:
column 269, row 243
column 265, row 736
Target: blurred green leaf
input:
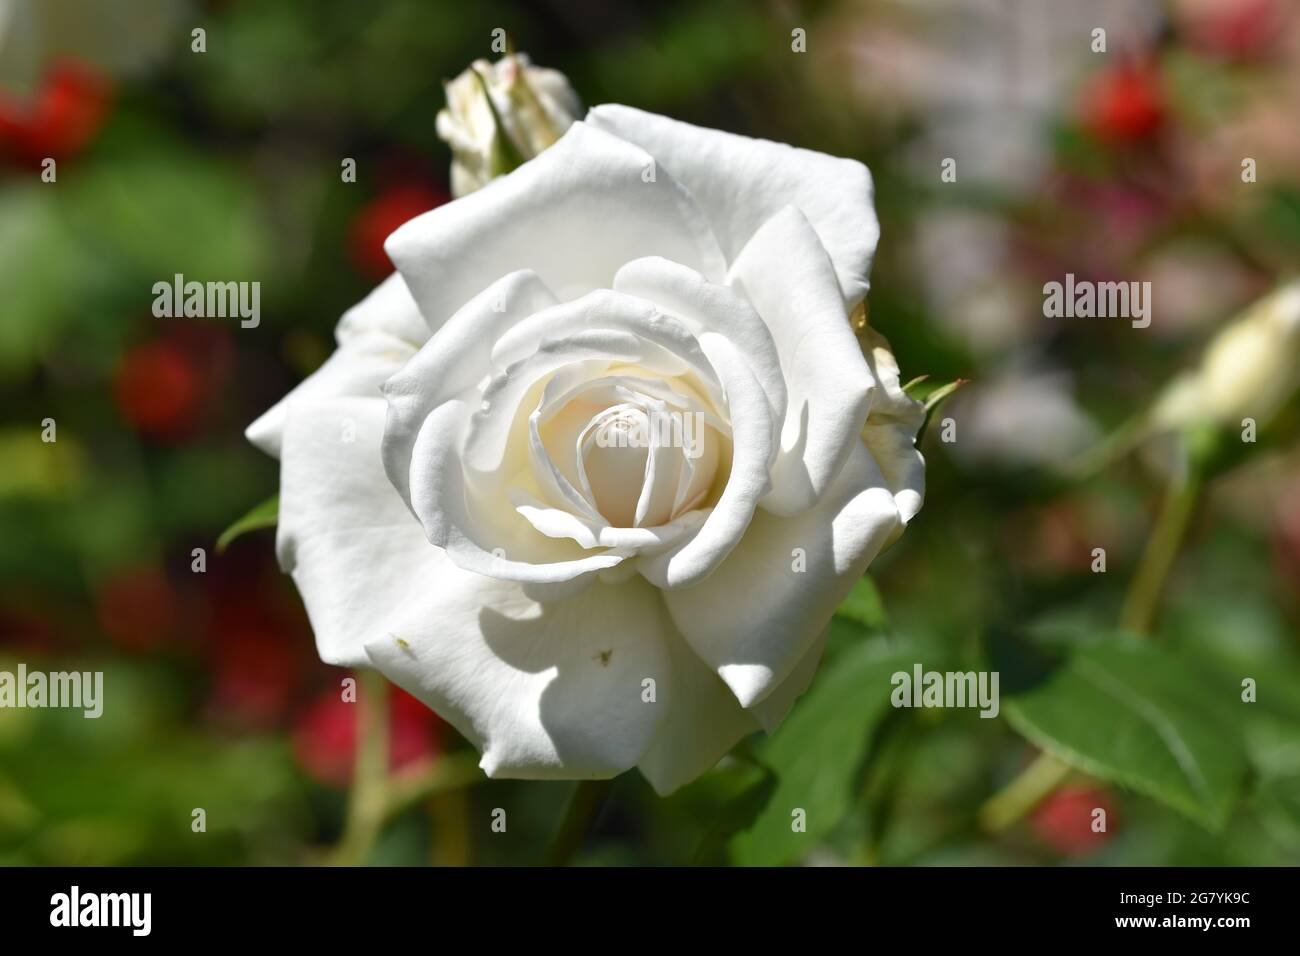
column 1139, row 716
column 1278, row 805
column 933, row 399
column 865, row 606
column 816, row 752
column 46, row 275
column 166, row 210
column 751, row 785
column 261, row 516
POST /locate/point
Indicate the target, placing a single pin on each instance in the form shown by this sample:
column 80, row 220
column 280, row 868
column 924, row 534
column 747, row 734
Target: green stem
column 1148, row 586
column 429, row 779
column 1138, row 616
column 581, row 814
column 1030, row 787
column 367, row 801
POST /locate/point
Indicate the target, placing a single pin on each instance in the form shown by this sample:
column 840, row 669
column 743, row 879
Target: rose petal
column 830, row 386
column 573, row 215
column 773, row 709
column 702, row 724
column 707, row 310
column 548, row 691
column 375, row 337
column 354, row 549
column 740, row 182
column 755, row 642
column 754, row 438
column 452, row 363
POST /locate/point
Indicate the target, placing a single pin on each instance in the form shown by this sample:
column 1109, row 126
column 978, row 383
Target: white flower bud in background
column 1249, row 369
column 499, row 115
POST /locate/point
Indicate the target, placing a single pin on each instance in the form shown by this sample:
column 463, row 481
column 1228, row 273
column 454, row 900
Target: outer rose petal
column 573, row 215
column 830, row 385
column 740, row 182
column 772, row 709
column 345, row 535
column 703, row 723
column 543, row 691
column 754, row 636
column 376, row 336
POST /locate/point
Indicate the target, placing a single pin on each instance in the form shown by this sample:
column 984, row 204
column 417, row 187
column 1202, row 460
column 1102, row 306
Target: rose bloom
column 461, row 505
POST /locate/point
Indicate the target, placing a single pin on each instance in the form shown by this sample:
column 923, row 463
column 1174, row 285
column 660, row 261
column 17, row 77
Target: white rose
column 501, row 114
column 468, row 534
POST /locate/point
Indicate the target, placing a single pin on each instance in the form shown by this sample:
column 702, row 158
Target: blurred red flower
column 61, row 119
column 137, row 607
column 157, row 389
column 1064, row 821
column 325, row 735
column 1235, row 29
column 29, row 627
column 1124, row 103
column 258, row 672
column 379, row 218
column 162, row 386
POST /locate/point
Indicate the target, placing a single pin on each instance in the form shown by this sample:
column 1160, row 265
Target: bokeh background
column 225, row 165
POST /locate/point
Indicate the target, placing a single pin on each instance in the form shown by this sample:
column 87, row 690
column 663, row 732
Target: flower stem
column 583, row 809
column 367, row 800
column 1030, row 787
column 1138, row 616
column 1142, row 602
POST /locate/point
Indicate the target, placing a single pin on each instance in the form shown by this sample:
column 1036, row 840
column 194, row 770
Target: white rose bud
column 1248, row 370
column 501, row 115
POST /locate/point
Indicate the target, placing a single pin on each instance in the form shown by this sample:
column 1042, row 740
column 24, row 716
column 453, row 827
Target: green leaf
column 750, row 786
column 817, row 750
column 1139, row 716
column 264, row 515
column 864, row 606
column 932, row 402
column 1278, row 806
